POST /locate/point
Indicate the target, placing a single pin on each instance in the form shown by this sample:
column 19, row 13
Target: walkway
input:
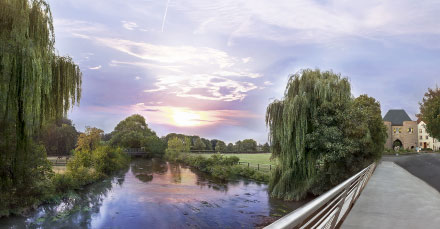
column 394, row 198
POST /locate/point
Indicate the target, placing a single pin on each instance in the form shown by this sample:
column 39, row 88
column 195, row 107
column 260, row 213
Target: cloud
column 306, row 21
column 137, row 78
column 129, row 25
column 96, row 68
column 187, row 71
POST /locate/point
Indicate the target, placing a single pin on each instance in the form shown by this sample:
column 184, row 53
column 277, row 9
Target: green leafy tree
column 36, row 85
column 59, row 137
column 220, row 146
column 175, row 147
column 198, row 144
column 430, row 112
column 207, row 144
column 266, row 147
column 230, row 147
column 320, row 135
column 90, row 139
column 155, row 145
column 131, row 132
column 238, row 146
column 249, row 145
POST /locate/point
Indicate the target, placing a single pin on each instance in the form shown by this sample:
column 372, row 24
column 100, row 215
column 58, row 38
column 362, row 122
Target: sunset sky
column 210, row 68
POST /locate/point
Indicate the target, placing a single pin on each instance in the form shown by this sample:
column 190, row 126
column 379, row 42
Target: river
column 153, row 193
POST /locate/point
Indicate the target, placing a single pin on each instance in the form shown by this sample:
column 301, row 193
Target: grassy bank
column 221, row 166
column 253, row 158
column 84, row 168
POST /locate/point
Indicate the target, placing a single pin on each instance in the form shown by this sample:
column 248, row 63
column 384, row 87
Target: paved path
column 394, row 198
column 425, row 166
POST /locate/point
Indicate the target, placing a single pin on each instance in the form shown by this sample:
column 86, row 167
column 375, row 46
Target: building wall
column 407, row 134
column 389, row 142
column 423, row 137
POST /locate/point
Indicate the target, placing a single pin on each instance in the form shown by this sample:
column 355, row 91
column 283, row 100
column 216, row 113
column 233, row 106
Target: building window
column 400, row 131
column 426, row 137
column 394, row 130
column 421, row 138
column 410, row 130
column 420, row 144
column 420, row 131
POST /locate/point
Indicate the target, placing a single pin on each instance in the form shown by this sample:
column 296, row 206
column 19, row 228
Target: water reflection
column 159, row 194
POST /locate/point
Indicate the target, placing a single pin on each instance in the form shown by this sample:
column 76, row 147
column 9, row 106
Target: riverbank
column 222, row 167
column 160, row 194
column 84, row 168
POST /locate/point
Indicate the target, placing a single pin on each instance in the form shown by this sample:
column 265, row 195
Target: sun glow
column 186, row 118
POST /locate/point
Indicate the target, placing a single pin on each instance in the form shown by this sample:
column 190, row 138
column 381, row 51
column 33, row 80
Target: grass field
column 253, row 158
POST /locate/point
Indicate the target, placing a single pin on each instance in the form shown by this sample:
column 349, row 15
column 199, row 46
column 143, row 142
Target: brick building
column 402, row 131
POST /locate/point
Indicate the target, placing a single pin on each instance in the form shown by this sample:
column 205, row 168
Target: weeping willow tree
column 316, row 133
column 36, row 85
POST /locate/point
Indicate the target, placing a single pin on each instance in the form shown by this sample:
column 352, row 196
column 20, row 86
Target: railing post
column 340, row 205
column 258, row 167
column 270, row 167
column 248, row 164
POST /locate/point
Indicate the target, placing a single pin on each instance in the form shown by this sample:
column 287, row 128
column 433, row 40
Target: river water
column 153, row 193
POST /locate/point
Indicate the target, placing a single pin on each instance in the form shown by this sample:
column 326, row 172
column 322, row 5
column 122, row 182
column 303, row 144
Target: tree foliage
column 320, row 135
column 36, row 85
column 199, row 144
column 89, row 140
column 430, row 112
column 131, row 132
column 176, row 146
column 59, row 137
column 220, row 146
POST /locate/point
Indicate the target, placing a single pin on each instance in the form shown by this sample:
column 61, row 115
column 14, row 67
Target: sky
column 210, row 68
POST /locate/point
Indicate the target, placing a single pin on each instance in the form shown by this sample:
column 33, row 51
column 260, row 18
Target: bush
column 222, row 167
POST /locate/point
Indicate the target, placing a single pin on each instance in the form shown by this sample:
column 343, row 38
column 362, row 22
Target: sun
column 186, row 118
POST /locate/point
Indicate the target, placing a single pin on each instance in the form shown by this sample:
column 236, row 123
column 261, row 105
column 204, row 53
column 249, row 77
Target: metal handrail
column 329, row 209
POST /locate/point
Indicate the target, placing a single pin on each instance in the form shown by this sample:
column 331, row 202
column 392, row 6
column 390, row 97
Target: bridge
column 400, row 192
column 137, row 152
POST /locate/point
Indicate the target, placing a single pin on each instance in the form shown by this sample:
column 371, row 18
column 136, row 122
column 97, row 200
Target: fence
column 329, row 209
column 257, row 166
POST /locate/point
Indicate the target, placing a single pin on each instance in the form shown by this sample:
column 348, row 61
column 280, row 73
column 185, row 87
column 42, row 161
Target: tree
column 220, row 146
column 318, row 133
column 59, row 137
column 36, row 85
column 230, row 147
column 131, row 132
column 238, row 147
column 198, row 144
column 175, row 147
column 155, row 145
column 266, row 148
column 249, row 145
column 214, row 143
column 430, row 112
column 90, row 139
column 207, row 143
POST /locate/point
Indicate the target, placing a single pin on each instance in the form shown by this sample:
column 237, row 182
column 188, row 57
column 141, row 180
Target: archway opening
column 397, row 144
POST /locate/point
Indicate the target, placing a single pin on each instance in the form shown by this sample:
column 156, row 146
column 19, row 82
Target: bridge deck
column 394, row 198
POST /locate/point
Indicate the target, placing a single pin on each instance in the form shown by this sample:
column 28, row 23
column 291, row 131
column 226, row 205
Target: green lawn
column 253, row 158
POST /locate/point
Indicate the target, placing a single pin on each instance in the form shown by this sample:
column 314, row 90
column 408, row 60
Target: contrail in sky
column 165, row 15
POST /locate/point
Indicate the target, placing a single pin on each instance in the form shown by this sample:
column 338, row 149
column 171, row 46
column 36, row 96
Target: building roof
column 396, row 117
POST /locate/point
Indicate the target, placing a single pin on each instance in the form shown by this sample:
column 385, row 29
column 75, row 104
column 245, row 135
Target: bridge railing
column 329, row 209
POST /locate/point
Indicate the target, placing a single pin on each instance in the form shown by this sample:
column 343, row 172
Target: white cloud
column 268, row 83
column 187, row 71
column 137, row 78
column 96, row 68
column 129, row 25
column 246, row 60
column 305, row 21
